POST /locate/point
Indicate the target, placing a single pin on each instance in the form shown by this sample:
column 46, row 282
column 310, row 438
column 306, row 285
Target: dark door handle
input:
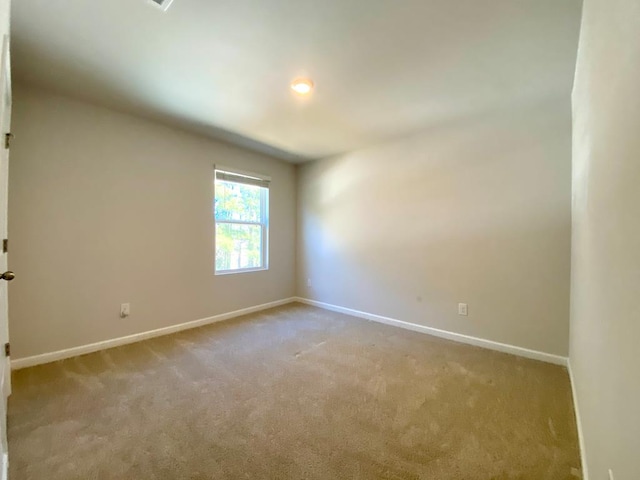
column 8, row 276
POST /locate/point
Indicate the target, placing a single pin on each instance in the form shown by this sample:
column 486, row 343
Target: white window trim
column 264, row 222
column 241, row 172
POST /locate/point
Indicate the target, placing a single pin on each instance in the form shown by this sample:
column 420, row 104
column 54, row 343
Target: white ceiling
column 383, row 68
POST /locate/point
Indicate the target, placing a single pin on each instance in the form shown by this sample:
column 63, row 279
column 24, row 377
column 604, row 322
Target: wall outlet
column 610, row 474
column 308, row 282
column 125, row 310
column 463, row 309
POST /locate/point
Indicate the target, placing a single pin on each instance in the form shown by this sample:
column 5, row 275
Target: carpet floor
column 293, row 393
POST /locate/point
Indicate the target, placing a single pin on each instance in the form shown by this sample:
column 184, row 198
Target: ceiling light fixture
column 302, row 86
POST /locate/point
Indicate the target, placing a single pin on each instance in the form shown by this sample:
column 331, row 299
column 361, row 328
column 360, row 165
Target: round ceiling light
column 302, row 86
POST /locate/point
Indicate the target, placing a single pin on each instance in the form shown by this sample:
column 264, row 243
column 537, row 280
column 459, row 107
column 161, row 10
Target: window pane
column 238, row 246
column 235, row 201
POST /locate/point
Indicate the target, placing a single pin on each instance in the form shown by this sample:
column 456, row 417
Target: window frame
column 263, row 223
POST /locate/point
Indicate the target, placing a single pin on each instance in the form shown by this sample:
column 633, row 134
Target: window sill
column 242, row 270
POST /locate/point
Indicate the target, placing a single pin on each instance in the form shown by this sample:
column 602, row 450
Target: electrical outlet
column 463, row 309
column 308, row 282
column 610, row 474
column 125, row 310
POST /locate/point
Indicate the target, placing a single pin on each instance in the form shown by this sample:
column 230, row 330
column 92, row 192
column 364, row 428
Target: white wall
column 107, row 208
column 605, row 307
column 476, row 211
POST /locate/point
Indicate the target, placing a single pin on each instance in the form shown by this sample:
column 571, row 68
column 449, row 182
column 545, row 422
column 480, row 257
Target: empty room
column 345, row 239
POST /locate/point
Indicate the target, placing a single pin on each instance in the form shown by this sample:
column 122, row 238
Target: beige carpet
column 293, row 393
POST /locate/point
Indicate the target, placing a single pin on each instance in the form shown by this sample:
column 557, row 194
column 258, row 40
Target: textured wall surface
column 605, row 312
column 106, row 208
column 476, row 211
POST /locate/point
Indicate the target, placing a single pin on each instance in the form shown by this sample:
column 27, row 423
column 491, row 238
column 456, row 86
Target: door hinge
column 5, row 245
column 7, row 139
column 7, row 350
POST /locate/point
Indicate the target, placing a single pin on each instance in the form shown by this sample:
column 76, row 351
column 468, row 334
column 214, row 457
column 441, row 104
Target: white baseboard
column 456, row 337
column 116, row 342
column 583, row 459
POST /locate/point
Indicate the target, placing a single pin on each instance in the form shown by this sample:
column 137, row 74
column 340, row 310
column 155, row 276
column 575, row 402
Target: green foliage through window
column 241, row 217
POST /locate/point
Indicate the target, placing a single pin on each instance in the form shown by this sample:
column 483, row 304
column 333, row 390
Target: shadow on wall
column 476, row 212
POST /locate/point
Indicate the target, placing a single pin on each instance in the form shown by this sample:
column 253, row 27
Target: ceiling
column 382, row 68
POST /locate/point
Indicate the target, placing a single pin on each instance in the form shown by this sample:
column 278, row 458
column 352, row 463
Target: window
column 241, row 213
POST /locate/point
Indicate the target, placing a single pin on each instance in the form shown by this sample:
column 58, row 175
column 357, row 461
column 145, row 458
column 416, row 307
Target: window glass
column 241, row 220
